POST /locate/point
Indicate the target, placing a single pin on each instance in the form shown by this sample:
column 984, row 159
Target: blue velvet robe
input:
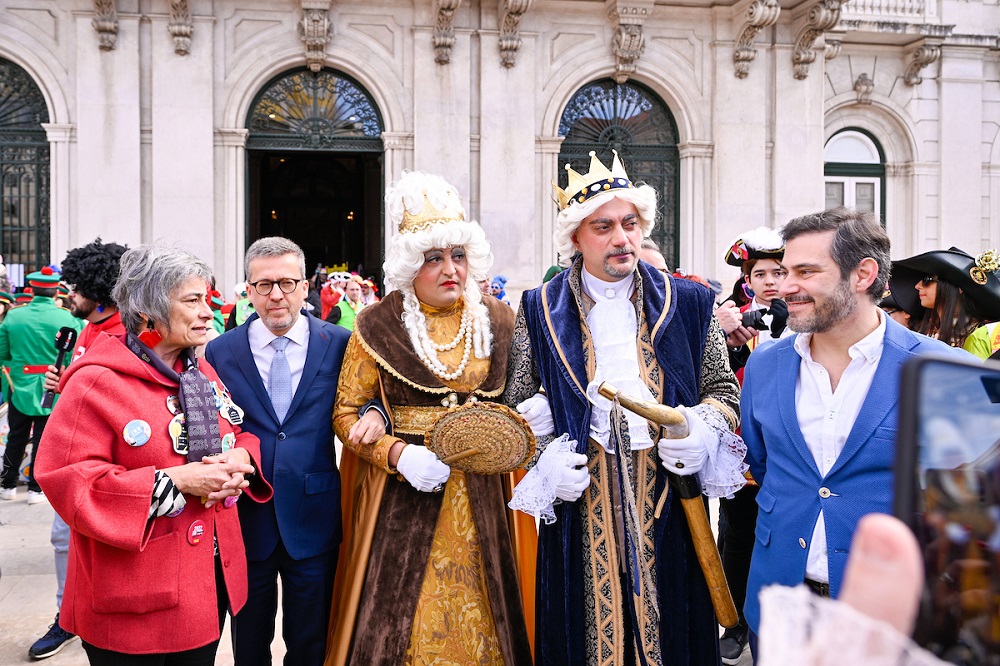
column 678, row 315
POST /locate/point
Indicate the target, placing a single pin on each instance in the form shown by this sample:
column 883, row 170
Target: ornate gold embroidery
column 415, row 420
column 453, row 623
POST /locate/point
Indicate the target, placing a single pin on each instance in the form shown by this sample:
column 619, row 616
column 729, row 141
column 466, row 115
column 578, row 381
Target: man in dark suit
column 820, row 408
column 281, row 367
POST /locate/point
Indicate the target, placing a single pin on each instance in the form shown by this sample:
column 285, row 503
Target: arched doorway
column 24, row 172
column 632, row 119
column 314, row 156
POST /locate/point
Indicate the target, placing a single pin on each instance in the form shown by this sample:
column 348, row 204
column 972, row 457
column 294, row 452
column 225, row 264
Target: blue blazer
column 297, row 454
column 792, row 491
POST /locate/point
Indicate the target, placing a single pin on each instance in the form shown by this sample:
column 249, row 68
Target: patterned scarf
column 197, row 399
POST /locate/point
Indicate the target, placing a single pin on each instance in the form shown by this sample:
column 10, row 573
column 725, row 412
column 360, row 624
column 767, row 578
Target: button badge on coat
column 228, row 441
column 137, row 432
column 196, row 532
column 178, row 435
column 174, row 404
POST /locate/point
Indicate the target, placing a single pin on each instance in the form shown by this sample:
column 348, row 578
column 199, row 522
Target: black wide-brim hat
column 954, row 266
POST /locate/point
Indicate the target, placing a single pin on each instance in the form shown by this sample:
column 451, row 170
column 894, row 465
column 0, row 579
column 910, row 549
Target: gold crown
column 429, row 215
column 598, row 179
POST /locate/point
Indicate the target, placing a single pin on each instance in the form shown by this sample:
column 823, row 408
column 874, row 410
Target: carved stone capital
column 834, row 42
column 181, row 26
column 760, row 14
column 444, row 30
column 314, row 31
column 509, row 19
column 628, row 43
column 926, row 53
column 864, row 86
column 822, row 16
column 105, row 22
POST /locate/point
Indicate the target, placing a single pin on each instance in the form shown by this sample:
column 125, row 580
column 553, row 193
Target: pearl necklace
column 427, row 351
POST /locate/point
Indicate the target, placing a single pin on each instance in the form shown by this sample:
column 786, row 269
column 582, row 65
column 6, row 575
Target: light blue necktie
column 279, row 380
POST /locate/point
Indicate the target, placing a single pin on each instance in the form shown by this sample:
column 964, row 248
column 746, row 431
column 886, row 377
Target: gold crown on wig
column 599, row 179
column 430, row 215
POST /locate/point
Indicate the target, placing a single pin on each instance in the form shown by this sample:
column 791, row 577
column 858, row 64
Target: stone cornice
column 696, row 149
column 397, row 140
column 823, row 15
column 105, row 22
column 314, row 31
column 759, row 15
column 231, row 136
column 509, row 13
column 59, row 132
column 550, row 145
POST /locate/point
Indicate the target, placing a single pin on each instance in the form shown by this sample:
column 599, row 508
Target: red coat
column 135, row 585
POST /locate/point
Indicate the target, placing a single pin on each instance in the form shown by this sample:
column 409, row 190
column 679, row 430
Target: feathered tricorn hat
column 599, row 179
column 759, row 243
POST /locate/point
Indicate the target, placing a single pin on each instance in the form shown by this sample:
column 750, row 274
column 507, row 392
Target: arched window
column 854, row 172
column 322, row 111
column 24, row 170
column 633, row 120
column 314, row 169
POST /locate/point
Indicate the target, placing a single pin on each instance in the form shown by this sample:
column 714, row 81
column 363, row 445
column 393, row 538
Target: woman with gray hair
column 437, row 549
column 145, row 463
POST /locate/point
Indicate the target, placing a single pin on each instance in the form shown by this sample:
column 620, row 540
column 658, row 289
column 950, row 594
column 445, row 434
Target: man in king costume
column 619, row 582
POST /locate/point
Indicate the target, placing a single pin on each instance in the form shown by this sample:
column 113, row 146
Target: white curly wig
column 642, row 196
column 404, row 254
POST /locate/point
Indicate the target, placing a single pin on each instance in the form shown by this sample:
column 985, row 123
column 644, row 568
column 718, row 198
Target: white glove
column 569, row 472
column 688, row 455
column 538, row 414
column 422, row 468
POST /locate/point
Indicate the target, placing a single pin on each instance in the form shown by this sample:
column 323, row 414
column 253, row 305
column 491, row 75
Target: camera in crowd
column 771, row 319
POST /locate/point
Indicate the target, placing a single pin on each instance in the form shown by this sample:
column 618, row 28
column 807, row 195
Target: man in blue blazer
column 820, row 408
column 281, row 367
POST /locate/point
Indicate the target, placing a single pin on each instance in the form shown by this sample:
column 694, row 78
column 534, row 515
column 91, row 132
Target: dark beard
column 839, row 305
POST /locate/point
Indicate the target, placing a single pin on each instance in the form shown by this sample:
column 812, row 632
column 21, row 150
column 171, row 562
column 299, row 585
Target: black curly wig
column 93, row 270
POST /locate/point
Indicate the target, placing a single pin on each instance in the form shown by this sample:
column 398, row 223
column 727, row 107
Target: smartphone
column 948, row 491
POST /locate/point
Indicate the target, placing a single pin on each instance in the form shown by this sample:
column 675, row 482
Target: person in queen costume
column 428, row 572
column 618, row 578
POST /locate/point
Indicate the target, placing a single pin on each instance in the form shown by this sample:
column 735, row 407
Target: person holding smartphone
column 820, row 408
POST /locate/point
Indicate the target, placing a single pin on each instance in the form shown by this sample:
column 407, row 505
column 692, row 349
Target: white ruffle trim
column 535, row 495
column 799, row 627
column 723, row 474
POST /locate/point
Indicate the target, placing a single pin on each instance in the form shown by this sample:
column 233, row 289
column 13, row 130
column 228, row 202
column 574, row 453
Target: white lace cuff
column 722, row 475
column 799, row 627
column 535, row 495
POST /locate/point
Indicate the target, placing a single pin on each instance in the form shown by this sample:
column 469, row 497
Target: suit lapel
column 880, row 401
column 319, row 344
column 249, row 369
column 788, row 378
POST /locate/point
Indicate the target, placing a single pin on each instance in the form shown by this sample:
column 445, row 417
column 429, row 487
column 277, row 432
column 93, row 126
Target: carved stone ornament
column 627, row 17
column 105, row 22
column 444, row 30
column 864, row 86
column 924, row 55
column 180, row 26
column 314, row 31
column 760, row 14
column 824, row 15
column 509, row 20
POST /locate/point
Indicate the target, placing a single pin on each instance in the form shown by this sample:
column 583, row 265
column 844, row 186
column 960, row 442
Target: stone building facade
column 212, row 122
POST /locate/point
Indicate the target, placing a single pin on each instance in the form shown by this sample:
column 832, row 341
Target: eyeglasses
column 928, row 280
column 286, row 285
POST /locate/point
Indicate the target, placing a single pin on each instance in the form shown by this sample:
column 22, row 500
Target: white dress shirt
column 263, row 352
column 826, row 418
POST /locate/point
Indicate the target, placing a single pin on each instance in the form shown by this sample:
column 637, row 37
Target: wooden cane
column 689, row 491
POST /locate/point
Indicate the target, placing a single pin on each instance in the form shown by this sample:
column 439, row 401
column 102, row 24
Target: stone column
column 701, row 245
column 108, row 166
column 231, row 222
column 548, row 168
column 62, row 230
column 507, row 209
column 182, row 164
column 960, row 141
column 442, row 109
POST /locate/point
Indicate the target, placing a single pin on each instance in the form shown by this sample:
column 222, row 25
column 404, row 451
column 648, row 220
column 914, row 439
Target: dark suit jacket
column 297, row 455
column 792, row 490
